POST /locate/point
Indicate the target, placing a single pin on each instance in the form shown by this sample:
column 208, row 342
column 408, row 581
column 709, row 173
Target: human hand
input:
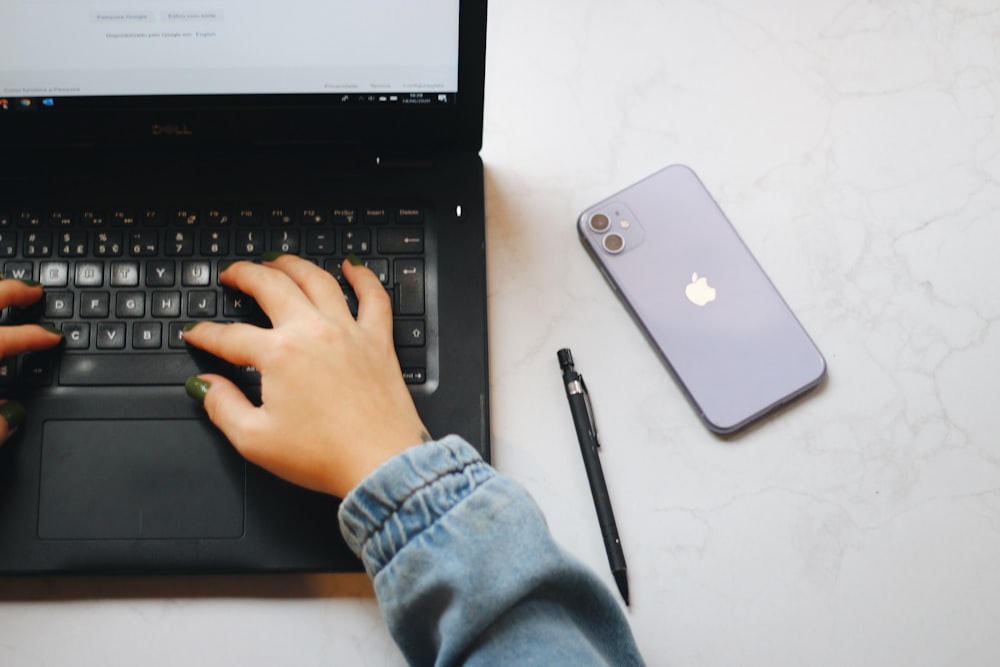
column 334, row 405
column 17, row 339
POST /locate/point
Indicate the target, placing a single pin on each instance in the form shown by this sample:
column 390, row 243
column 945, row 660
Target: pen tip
column 621, row 578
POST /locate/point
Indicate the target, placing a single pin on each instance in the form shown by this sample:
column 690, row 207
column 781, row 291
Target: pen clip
column 590, row 412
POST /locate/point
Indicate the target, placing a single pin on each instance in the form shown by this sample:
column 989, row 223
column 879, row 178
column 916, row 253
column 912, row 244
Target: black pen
column 586, row 433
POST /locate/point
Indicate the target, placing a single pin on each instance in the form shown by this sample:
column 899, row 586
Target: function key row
column 211, row 217
column 244, row 242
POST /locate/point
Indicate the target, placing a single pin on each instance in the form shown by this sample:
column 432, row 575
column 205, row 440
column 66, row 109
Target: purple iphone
column 704, row 303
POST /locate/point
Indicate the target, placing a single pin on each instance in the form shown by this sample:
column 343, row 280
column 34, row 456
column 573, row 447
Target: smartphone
column 702, row 300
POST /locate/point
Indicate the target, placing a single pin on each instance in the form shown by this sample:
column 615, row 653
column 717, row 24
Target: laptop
column 143, row 147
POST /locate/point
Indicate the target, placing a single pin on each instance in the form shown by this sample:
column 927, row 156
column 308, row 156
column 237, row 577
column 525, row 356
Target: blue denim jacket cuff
column 406, row 495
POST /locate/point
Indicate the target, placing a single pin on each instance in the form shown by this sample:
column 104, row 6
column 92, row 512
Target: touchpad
column 139, row 479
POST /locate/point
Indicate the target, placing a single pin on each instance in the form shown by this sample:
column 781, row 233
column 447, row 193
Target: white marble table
column 856, row 147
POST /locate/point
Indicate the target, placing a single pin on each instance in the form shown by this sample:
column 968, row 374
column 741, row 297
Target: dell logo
column 171, row 129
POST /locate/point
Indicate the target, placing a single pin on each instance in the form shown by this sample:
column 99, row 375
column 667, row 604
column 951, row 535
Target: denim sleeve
column 466, row 571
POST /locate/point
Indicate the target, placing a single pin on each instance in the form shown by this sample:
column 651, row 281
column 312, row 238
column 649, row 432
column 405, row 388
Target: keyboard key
column 37, row 244
column 76, row 335
column 165, row 304
column 144, row 242
column 380, row 267
column 37, row 368
column 237, row 304
column 376, row 216
column 409, row 276
column 110, row 336
column 108, row 244
column 186, row 218
column 215, row 243
column 61, row 219
column 53, row 274
column 409, row 216
column 400, row 241
column 201, row 304
column 147, row 335
column 123, row 218
column 128, row 369
column 414, row 375
column 196, row 273
column 124, row 274
column 95, row 304
column 73, row 244
column 408, row 333
column 217, row 218
column 344, row 216
column 180, row 243
column 160, row 274
column 19, row 270
column 249, row 242
column 29, row 219
column 58, row 305
column 320, row 241
column 312, row 216
column 89, row 274
column 358, row 241
column 280, row 216
column 248, row 216
column 285, row 240
column 130, row 305
column 8, row 244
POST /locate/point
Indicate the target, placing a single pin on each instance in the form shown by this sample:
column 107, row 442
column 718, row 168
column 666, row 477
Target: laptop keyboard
column 122, row 283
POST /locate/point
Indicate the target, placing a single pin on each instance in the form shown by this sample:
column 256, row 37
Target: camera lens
column 599, row 223
column 614, row 243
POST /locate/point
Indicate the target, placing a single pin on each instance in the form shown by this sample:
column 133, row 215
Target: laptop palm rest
column 139, row 479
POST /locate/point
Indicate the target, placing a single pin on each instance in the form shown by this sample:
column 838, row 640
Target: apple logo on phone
column 698, row 291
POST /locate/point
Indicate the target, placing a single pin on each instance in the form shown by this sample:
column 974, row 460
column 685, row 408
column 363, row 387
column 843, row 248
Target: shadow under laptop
column 135, row 587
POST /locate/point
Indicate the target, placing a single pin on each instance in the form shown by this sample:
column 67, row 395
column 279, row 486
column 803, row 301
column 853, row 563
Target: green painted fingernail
column 197, row 388
column 13, row 413
column 271, row 255
column 52, row 330
column 190, row 325
column 354, row 260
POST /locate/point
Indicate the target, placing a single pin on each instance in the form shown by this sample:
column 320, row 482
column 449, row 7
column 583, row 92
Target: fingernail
column 224, row 265
column 271, row 255
column 13, row 413
column 25, row 281
column 197, row 388
column 190, row 325
column 354, row 260
column 52, row 330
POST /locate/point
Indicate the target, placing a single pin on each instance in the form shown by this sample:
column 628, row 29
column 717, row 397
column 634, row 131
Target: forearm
column 466, row 571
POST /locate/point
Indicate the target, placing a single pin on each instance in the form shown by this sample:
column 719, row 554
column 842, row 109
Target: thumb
column 227, row 407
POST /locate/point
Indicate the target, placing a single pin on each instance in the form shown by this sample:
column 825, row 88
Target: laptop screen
column 344, row 50
column 358, row 72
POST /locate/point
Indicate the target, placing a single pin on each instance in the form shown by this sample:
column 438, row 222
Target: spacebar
column 131, row 369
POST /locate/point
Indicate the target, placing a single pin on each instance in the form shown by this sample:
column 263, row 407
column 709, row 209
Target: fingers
column 321, row 288
column 228, row 408
column 18, row 293
column 274, row 291
column 26, row 338
column 236, row 343
column 374, row 307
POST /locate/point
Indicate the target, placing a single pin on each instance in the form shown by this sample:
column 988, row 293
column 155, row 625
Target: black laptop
column 140, row 151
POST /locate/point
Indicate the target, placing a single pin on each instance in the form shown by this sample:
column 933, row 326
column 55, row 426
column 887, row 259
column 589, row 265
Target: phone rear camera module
column 614, row 243
column 600, row 223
